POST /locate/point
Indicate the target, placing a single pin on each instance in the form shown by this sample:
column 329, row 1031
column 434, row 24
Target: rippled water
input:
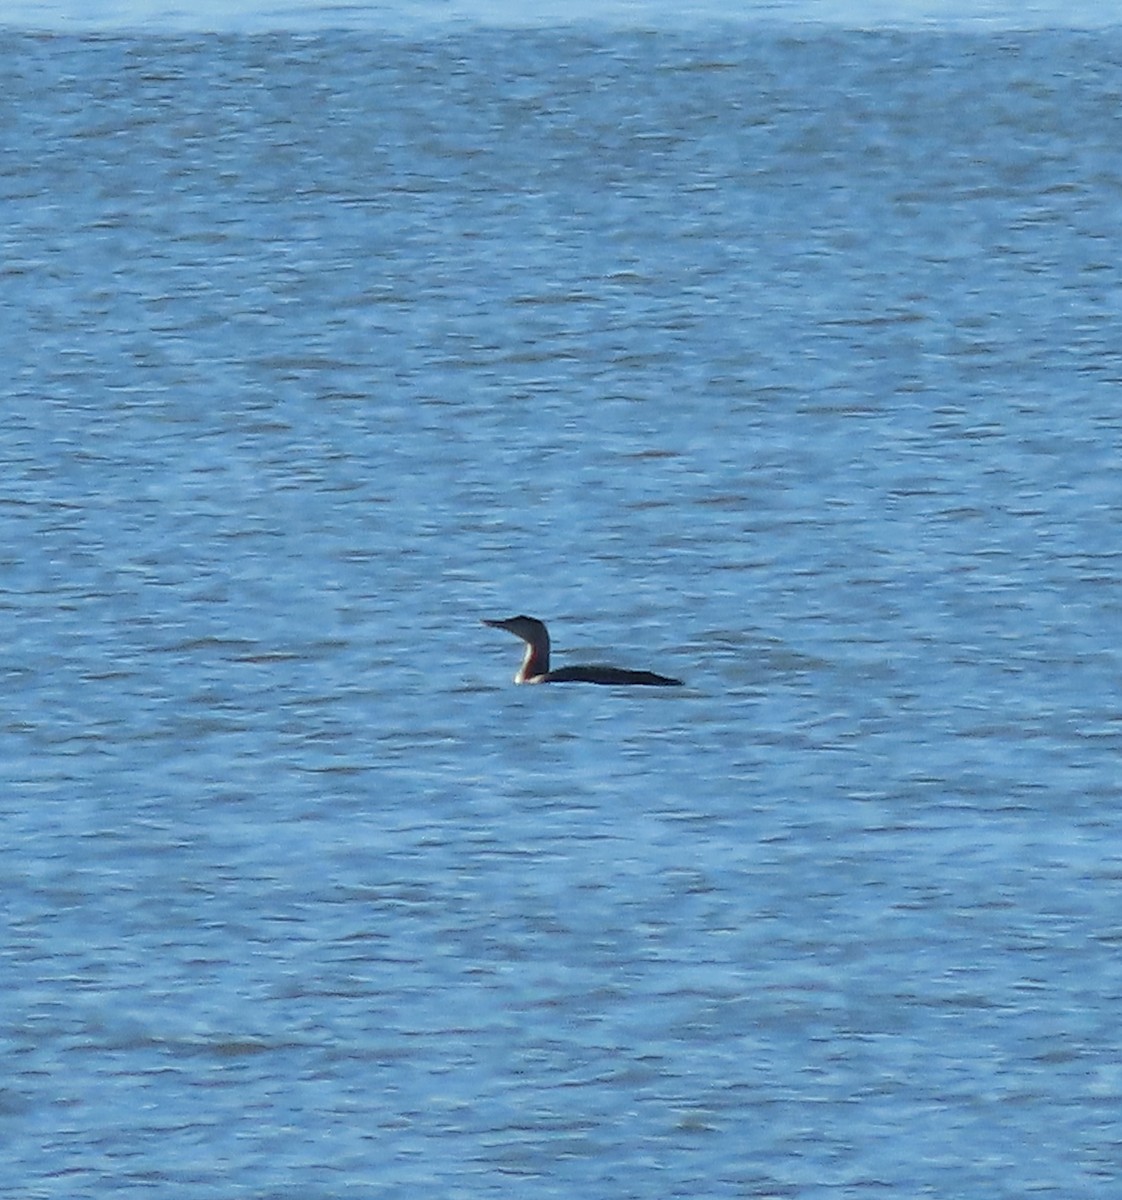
column 783, row 360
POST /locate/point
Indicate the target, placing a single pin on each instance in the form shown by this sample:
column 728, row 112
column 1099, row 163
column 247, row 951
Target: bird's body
column 535, row 662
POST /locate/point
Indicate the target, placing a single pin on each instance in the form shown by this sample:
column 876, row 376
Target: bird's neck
column 535, row 661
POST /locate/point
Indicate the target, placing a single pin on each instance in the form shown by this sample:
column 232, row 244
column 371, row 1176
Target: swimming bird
column 535, row 663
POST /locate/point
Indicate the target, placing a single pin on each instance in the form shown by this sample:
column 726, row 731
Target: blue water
column 781, row 358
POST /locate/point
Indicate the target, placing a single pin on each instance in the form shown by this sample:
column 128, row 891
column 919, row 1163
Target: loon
column 535, row 664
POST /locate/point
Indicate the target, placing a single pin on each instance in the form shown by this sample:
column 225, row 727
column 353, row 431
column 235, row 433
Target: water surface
column 783, row 360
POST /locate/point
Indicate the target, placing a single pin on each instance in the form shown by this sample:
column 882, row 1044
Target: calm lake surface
column 784, row 359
